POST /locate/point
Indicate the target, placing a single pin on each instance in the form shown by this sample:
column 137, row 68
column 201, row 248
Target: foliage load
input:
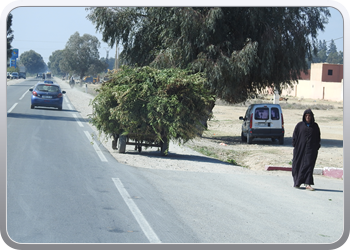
column 149, row 104
column 241, row 50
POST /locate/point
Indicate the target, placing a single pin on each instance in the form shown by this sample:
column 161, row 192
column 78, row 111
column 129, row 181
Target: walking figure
column 306, row 143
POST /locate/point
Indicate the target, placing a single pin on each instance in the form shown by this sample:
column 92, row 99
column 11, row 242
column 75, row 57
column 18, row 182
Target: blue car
column 48, row 81
column 47, row 95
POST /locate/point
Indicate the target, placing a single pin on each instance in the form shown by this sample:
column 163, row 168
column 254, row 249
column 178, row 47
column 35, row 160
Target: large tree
column 33, row 62
column 9, row 36
column 54, row 62
column 81, row 56
column 240, row 49
column 333, row 55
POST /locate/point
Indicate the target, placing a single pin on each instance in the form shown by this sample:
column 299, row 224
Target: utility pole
column 116, row 63
column 107, row 53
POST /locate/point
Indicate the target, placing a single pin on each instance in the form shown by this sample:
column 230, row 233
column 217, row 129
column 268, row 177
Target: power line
column 334, row 39
column 15, row 40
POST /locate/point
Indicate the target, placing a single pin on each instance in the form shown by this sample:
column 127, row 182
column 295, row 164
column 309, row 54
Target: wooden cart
column 120, row 141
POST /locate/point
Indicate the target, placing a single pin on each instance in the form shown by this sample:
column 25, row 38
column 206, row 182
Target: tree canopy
column 33, row 61
column 327, row 54
column 241, row 50
column 54, row 62
column 9, row 36
column 81, row 56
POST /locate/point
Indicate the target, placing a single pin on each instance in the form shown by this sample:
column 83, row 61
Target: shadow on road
column 46, row 117
column 181, row 157
column 233, row 140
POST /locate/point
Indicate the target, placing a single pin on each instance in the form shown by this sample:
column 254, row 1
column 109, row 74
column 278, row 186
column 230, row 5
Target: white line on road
column 97, row 149
column 69, row 106
column 146, row 228
column 14, row 105
column 23, row 95
column 76, row 118
column 66, row 99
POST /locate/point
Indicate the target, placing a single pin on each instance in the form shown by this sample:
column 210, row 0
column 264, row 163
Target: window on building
column 330, row 72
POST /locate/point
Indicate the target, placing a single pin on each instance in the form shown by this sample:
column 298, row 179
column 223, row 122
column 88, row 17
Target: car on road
column 22, row 75
column 14, row 75
column 263, row 121
column 8, row 75
column 46, row 95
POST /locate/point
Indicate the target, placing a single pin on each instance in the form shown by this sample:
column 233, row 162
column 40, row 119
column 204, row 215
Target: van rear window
column 261, row 113
column 275, row 114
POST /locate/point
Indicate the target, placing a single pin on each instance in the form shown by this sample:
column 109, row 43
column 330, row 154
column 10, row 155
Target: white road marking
column 97, row 149
column 69, row 106
column 146, row 228
column 23, row 95
column 14, row 105
column 76, row 118
column 66, row 99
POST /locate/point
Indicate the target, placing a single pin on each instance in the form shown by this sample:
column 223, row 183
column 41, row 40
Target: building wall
column 316, row 72
column 319, row 84
column 332, row 91
column 337, row 73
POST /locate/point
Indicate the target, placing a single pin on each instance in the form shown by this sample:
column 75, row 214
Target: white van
column 263, row 121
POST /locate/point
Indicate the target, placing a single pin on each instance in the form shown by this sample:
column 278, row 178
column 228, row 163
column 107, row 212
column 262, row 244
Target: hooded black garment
column 306, row 142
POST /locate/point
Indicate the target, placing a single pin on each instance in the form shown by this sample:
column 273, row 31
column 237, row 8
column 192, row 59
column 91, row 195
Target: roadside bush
column 150, row 104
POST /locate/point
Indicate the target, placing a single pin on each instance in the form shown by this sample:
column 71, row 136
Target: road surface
column 63, row 186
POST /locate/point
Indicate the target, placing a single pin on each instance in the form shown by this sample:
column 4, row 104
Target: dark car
column 14, row 75
column 22, row 75
column 47, row 95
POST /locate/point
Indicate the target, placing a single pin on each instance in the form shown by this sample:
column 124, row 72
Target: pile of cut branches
column 151, row 105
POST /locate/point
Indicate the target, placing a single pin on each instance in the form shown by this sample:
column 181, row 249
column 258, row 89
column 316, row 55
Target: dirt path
column 223, row 137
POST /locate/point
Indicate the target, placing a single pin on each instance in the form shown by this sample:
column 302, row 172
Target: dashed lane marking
column 77, row 119
column 23, row 95
column 14, row 105
column 146, row 228
column 97, row 149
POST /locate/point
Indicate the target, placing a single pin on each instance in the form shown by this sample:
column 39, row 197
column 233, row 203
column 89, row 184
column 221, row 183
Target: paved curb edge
column 330, row 172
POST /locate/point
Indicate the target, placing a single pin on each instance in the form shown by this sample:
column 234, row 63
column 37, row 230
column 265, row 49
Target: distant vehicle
column 263, row 121
column 48, row 81
column 46, row 95
column 8, row 75
column 88, row 79
column 22, row 75
column 39, row 75
column 14, row 75
column 48, row 75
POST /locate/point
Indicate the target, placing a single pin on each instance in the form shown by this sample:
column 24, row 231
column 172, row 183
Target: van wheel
column 243, row 138
column 249, row 139
column 281, row 140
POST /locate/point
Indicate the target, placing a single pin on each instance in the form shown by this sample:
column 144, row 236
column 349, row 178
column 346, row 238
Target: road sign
column 14, row 53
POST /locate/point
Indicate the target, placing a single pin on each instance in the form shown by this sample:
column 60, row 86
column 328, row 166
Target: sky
column 46, row 29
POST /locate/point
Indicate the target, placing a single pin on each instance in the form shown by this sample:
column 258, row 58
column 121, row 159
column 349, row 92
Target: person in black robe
column 306, row 143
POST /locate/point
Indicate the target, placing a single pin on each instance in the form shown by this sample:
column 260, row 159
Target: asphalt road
column 65, row 187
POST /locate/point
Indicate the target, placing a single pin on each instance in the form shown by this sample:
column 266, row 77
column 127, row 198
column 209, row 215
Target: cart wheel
column 164, row 146
column 122, row 144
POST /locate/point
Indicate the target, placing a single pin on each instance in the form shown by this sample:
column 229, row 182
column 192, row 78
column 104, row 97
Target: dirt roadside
column 220, row 146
